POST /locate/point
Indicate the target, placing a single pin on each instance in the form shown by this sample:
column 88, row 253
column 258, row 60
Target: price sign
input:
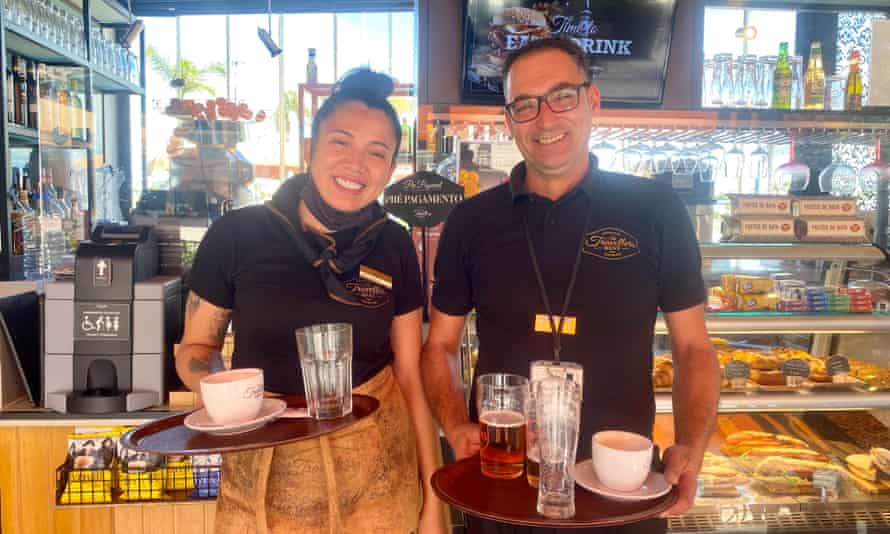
column 737, row 369
column 837, row 365
column 796, row 367
column 826, row 479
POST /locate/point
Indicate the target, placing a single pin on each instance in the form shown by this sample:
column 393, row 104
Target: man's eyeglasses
column 559, row 101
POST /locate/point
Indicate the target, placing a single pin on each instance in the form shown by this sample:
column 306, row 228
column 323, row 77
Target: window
column 773, row 26
column 221, row 56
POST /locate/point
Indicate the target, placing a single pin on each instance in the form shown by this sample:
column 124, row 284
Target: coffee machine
column 109, row 333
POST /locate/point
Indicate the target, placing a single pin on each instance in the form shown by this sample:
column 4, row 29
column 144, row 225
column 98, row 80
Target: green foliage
column 290, row 105
column 195, row 77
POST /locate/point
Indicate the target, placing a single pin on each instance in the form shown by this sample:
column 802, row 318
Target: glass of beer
column 500, row 402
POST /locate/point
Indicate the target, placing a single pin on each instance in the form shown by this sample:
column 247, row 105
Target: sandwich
column 742, row 443
column 789, row 476
column 720, row 481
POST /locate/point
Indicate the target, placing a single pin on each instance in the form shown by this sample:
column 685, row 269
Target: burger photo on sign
column 509, row 30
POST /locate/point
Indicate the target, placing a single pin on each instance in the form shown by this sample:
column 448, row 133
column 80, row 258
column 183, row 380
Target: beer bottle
column 782, row 79
column 853, row 92
column 814, row 92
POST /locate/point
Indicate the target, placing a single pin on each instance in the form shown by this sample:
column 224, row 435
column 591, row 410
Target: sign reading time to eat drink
column 626, row 42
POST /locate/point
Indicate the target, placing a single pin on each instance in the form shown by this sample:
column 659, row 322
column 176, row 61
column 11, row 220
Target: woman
column 300, row 260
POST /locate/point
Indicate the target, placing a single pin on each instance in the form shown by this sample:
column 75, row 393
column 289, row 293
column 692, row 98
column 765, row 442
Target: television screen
column 626, row 41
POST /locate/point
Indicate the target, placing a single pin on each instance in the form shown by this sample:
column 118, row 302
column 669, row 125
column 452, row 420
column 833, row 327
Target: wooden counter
column 33, row 443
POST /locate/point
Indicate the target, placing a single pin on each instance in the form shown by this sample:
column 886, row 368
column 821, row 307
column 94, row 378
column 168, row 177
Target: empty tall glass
column 326, row 362
column 500, row 402
column 558, row 406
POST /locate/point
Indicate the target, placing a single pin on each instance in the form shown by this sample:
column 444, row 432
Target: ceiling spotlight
column 265, row 35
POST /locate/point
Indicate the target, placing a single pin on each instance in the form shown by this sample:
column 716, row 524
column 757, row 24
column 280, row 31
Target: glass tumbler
column 558, row 405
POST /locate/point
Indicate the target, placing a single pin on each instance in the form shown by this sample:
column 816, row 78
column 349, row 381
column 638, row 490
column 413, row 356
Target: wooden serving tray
column 170, row 436
column 463, row 486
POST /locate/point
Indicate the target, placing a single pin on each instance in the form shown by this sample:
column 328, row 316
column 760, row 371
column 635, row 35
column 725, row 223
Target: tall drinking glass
column 326, row 362
column 500, row 402
column 540, row 370
column 558, row 405
column 767, row 67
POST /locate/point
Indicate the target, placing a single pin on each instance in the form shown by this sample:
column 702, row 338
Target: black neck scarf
column 321, row 249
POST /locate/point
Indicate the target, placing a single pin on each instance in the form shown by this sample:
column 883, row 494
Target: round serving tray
column 170, row 436
column 463, row 486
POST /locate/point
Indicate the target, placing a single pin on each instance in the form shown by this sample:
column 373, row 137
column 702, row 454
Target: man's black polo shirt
column 640, row 255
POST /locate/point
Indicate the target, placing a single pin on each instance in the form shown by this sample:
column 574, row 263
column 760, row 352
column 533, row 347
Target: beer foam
column 502, row 418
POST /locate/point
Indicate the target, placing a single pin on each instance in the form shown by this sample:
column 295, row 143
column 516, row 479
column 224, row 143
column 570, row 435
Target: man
column 626, row 245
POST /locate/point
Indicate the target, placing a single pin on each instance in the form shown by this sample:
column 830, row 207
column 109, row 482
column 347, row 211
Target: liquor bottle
column 10, row 91
column 814, row 93
column 782, row 79
column 63, row 109
column 78, row 120
column 47, row 99
column 853, row 92
column 32, row 94
column 18, row 213
column 311, row 68
column 21, row 92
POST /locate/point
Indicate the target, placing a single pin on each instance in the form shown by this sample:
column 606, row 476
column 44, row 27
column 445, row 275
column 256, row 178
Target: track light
column 265, row 35
column 135, row 28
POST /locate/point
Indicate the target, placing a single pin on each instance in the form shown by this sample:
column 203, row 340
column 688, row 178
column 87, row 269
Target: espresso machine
column 109, row 333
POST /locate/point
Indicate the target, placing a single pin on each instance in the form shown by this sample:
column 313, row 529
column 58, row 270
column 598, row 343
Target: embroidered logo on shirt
column 611, row 244
column 369, row 294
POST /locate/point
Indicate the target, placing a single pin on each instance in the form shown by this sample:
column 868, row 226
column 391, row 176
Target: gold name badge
column 542, row 324
column 374, row 276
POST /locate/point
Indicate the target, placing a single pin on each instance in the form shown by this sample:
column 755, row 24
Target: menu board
column 626, row 41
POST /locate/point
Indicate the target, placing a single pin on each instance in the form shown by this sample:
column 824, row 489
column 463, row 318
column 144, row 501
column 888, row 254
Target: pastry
column 768, row 378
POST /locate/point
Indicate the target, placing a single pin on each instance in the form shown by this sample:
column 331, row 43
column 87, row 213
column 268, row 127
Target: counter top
column 21, row 413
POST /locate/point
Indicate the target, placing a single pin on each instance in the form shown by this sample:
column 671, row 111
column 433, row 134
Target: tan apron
column 360, row 479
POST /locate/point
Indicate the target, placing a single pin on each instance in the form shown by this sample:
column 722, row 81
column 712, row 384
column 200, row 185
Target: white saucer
column 200, row 420
column 655, row 485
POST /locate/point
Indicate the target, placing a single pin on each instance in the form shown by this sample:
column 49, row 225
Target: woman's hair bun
column 366, row 81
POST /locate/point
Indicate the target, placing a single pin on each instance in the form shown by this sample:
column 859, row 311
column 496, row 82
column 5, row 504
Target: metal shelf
column 35, row 47
column 790, row 401
column 19, row 135
column 789, row 323
column 793, row 251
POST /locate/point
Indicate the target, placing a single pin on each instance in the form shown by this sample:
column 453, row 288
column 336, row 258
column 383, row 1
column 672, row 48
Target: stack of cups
column 558, row 412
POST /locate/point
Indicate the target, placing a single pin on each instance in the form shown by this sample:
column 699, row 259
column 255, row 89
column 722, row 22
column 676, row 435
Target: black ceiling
column 162, row 8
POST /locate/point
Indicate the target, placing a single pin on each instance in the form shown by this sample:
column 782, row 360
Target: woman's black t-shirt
column 247, row 263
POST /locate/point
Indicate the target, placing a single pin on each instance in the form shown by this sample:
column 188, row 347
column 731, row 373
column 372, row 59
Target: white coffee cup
column 621, row 460
column 232, row 397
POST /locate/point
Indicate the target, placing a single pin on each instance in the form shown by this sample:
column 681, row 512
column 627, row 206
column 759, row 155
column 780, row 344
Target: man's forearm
column 443, row 386
column 696, row 393
column 193, row 362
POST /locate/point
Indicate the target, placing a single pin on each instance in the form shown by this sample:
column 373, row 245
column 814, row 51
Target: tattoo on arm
column 220, row 325
column 197, row 365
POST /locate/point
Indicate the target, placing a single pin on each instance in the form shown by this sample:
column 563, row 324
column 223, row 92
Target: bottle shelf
column 22, row 136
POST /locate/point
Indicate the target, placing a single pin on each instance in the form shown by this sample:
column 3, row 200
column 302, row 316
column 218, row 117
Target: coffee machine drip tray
column 101, row 394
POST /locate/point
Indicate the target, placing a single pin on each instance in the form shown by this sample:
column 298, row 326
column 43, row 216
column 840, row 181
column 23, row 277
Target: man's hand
column 681, row 467
column 464, row 440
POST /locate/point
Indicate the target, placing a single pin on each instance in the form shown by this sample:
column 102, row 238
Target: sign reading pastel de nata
column 626, row 41
column 423, row 199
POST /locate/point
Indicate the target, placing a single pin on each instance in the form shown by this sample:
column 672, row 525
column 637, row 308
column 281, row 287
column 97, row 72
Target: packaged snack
column 753, row 228
column 757, row 302
column 753, row 284
column 835, row 229
column 759, row 204
column 824, row 206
